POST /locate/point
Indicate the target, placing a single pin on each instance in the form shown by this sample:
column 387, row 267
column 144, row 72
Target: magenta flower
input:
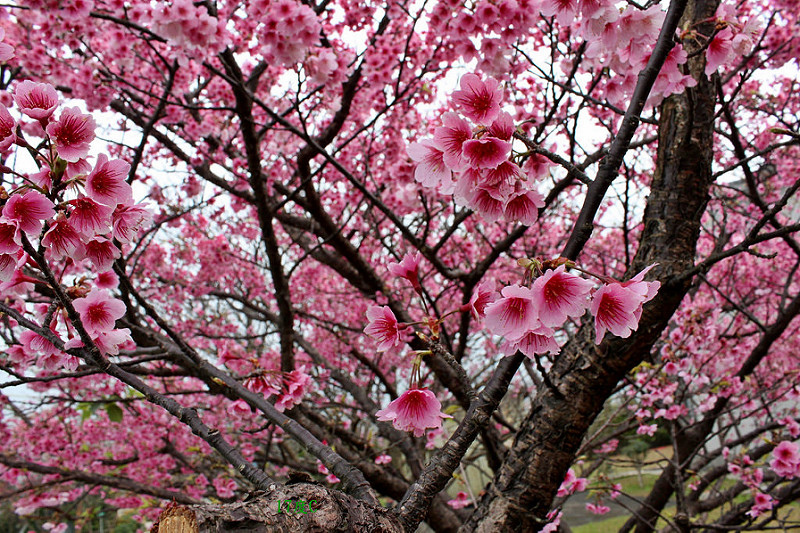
column 512, row 315
column 106, row 183
column 614, row 309
column 101, row 252
column 487, row 152
column 431, row 170
column 483, row 295
column 523, row 207
column 37, row 100
column 10, row 240
column 450, row 139
column 383, row 327
column 536, row 341
column 646, row 289
column 72, row 134
column 479, row 100
column 8, row 128
column 62, row 240
column 786, row 460
column 558, row 295
column 28, row 211
column 89, row 217
column 99, row 311
column 415, row 410
column 489, row 207
column 461, row 500
column 128, row 220
column 408, row 268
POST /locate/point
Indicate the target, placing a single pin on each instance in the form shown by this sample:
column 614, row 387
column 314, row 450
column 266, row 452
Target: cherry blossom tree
column 356, row 266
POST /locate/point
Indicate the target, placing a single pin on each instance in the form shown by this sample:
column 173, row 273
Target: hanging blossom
column 383, row 327
column 617, row 306
column 477, row 165
column 415, row 410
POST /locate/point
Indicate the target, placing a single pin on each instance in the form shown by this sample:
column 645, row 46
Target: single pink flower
column 450, row 139
column 99, row 311
column 460, row 501
column 614, row 308
column 512, row 315
column 89, row 217
column 101, row 252
column 502, row 127
column 558, row 295
column 37, row 100
column 431, row 169
column 10, row 240
column 8, row 129
column 6, row 50
column 106, row 183
column 8, row 264
column 487, row 206
column 383, row 327
column 539, row 340
column 415, row 410
column 72, row 134
column 128, row 220
column 479, row 100
column 646, row 289
column 106, row 280
column 523, row 207
column 408, row 268
column 597, row 508
column 383, row 459
column 110, row 342
column 28, row 211
column 487, row 152
column 483, row 295
column 63, row 240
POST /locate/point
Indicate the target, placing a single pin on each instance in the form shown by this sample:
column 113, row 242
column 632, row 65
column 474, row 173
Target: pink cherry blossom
column 106, row 183
column 614, row 308
column 8, row 127
column 479, row 100
column 487, row 152
column 786, row 460
column 37, row 100
column 460, row 501
column 539, row 340
column 383, row 327
column 88, row 217
column 408, row 268
column 598, row 509
column 110, row 342
column 6, row 50
column 101, row 252
column 72, row 134
column 10, row 240
column 128, row 220
column 523, row 207
column 450, row 139
column 431, row 169
column 558, row 295
column 63, row 240
column 28, row 211
column 106, row 280
column 383, row 459
column 99, row 311
column 512, row 315
column 415, row 410
column 484, row 294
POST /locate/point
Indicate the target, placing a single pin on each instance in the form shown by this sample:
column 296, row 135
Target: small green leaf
column 450, row 409
column 114, row 412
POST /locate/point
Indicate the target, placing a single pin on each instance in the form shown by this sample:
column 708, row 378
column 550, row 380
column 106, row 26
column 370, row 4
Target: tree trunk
column 584, row 375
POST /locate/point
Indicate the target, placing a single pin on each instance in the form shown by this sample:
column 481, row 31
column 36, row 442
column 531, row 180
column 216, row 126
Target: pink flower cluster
column 475, row 165
column 571, row 484
column 289, row 387
column 288, row 29
column 76, row 227
column 526, row 316
column 187, row 25
column 786, row 460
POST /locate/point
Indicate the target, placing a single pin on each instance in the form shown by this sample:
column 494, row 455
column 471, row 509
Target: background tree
column 245, row 242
